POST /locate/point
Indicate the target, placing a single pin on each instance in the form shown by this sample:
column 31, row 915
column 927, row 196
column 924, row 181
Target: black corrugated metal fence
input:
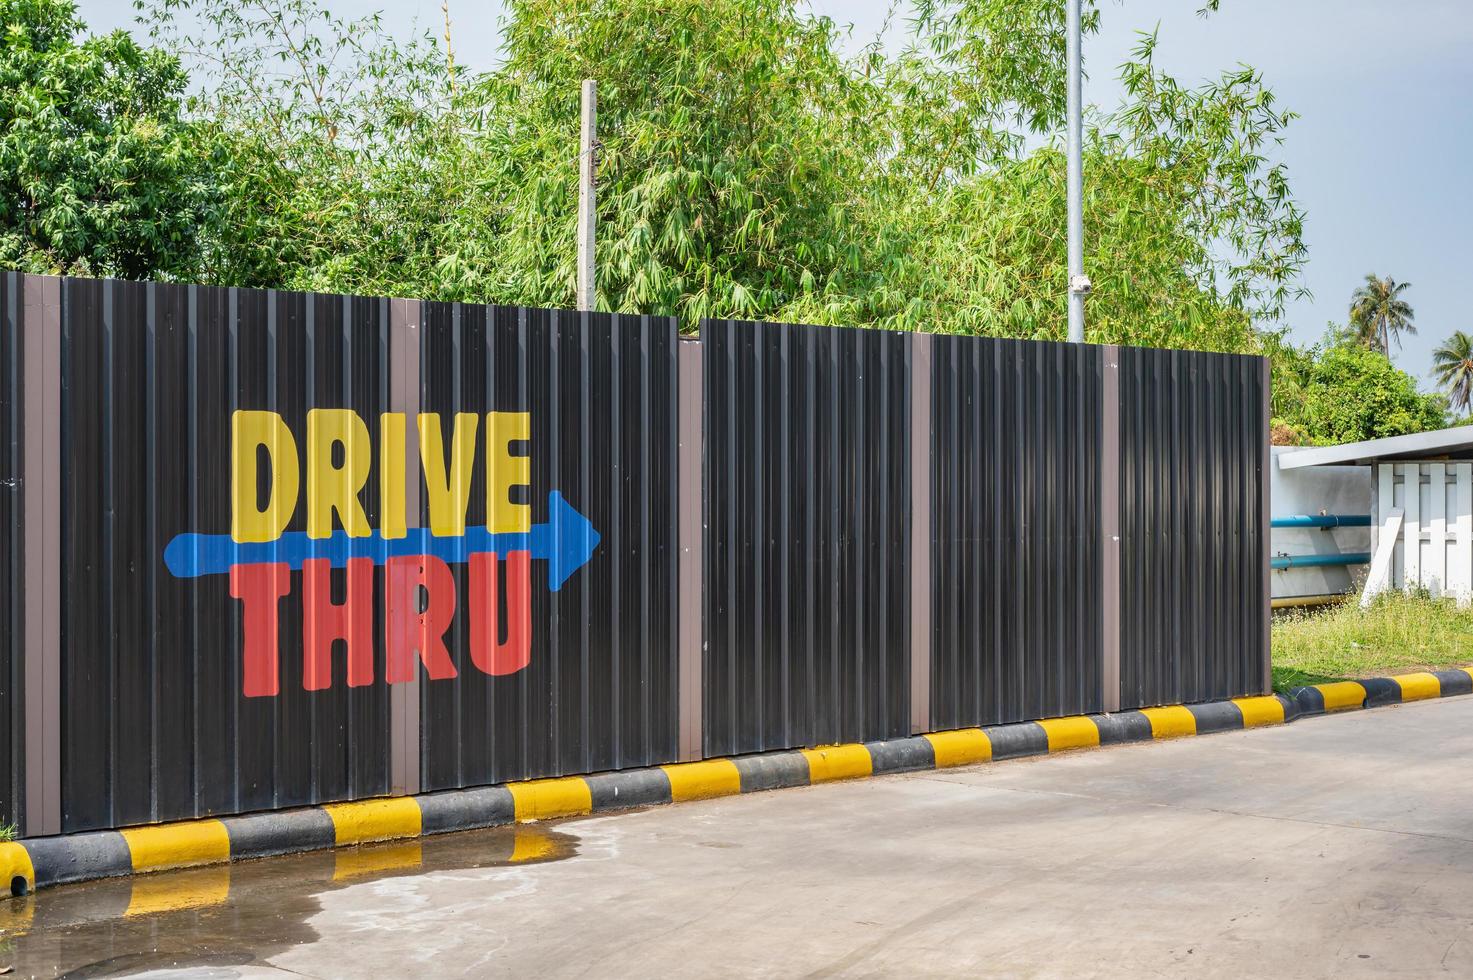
column 263, row 549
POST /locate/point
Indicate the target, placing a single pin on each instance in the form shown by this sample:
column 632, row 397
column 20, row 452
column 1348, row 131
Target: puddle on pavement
column 230, row 915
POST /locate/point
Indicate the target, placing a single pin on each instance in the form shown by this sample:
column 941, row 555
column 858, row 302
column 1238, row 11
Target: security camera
column 1080, row 285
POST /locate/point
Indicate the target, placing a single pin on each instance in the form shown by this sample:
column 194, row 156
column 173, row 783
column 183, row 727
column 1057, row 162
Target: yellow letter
column 333, row 488
column 449, row 488
column 248, row 432
column 391, row 475
column 504, row 471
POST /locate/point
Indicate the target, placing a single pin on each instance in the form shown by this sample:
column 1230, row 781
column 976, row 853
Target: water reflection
column 230, row 915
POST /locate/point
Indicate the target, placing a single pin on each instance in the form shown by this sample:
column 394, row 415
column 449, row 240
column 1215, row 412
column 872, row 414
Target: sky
column 1380, row 160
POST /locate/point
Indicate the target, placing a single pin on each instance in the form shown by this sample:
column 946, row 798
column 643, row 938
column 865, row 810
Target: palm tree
column 1453, row 364
column 1379, row 314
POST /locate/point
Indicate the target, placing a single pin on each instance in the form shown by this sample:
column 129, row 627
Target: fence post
column 920, row 533
column 1265, row 516
column 1110, row 528
column 404, row 382
column 691, row 582
column 41, row 501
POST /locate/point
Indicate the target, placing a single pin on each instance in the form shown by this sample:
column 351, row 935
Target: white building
column 1421, row 499
column 1320, row 529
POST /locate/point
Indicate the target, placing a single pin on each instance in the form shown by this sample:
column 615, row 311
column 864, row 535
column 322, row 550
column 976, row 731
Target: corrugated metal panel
column 600, row 689
column 155, row 723
column 1015, row 463
column 12, row 309
column 807, row 535
column 1193, row 504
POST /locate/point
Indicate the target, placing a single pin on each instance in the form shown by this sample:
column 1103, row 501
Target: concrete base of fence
column 40, row 862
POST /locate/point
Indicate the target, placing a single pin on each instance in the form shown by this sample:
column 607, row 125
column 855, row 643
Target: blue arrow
column 566, row 541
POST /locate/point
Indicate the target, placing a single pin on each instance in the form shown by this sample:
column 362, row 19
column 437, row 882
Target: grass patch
column 7, row 831
column 1399, row 633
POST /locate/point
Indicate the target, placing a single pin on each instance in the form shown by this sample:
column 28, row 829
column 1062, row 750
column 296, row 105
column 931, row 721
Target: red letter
column 408, row 631
column 260, row 589
column 487, row 651
column 324, row 622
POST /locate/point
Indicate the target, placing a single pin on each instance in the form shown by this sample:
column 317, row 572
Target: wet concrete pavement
column 1340, row 846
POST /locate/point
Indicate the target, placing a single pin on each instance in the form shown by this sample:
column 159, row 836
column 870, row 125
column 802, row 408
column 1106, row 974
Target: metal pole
column 587, row 165
column 1078, row 281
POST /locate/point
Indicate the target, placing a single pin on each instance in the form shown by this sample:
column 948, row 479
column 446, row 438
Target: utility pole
column 1078, row 282
column 587, row 167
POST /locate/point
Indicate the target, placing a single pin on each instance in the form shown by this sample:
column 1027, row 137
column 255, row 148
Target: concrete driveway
column 1339, row 846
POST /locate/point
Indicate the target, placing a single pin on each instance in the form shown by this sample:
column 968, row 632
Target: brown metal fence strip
column 404, row 699
column 691, row 560
column 41, row 500
column 920, row 533
column 1110, row 530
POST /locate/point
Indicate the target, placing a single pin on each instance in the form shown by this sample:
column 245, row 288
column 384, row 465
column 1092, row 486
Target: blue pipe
column 1322, row 520
column 1311, row 561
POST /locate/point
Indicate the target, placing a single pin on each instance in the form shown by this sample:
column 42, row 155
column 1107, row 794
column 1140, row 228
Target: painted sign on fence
column 420, row 597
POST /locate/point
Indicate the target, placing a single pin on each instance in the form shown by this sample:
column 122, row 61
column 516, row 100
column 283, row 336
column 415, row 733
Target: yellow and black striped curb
column 43, row 861
column 1372, row 693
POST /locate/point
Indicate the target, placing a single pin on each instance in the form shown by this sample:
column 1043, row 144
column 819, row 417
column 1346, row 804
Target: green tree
column 1290, row 366
column 1379, row 314
column 1348, row 392
column 347, row 164
column 1453, row 364
column 98, row 173
column 733, row 153
column 749, row 167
